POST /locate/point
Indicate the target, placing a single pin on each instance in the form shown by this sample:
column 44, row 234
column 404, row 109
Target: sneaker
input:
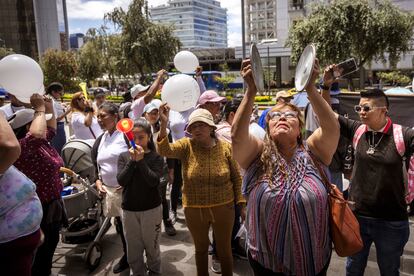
column 215, row 265
column 169, row 228
column 239, row 252
column 121, row 265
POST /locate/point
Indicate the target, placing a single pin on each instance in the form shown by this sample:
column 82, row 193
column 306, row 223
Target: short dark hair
column 377, row 94
column 231, row 106
column 54, row 87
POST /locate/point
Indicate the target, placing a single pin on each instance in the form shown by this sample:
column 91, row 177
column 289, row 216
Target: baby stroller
column 82, row 202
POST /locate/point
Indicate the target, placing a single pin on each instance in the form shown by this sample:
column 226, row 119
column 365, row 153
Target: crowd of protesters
column 204, row 153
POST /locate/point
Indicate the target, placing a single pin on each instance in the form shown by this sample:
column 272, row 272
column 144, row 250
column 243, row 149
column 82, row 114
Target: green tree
column 60, row 66
column 226, row 80
column 5, row 52
column 90, row 58
column 146, row 46
column 394, row 78
column 357, row 28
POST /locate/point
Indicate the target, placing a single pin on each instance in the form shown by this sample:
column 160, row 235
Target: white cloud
column 92, row 10
column 96, row 9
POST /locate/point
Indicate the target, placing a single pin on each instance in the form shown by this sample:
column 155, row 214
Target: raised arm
column 245, row 146
column 324, row 141
column 49, row 110
column 164, row 147
column 9, row 146
column 199, row 79
column 38, row 126
column 154, row 86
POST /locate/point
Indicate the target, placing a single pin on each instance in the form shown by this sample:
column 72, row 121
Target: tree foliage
column 59, row 66
column 394, row 78
column 357, row 28
column 5, row 52
column 90, row 58
column 146, row 46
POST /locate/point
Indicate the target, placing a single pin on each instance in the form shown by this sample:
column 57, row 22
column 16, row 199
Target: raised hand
column 136, row 154
column 328, row 75
column 164, row 113
column 37, row 102
column 247, row 73
column 314, row 76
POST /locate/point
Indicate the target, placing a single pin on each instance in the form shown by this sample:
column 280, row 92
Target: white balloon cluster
column 181, row 91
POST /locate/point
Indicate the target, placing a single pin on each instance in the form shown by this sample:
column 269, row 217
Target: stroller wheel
column 93, row 255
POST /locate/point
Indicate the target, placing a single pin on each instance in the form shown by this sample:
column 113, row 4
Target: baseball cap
column 23, row 117
column 154, row 104
column 210, row 96
column 98, row 92
column 138, row 88
column 201, row 115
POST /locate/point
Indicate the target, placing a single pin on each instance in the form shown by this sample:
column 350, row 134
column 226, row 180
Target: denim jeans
column 389, row 238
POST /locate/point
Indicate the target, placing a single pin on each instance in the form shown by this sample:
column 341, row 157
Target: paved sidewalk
column 178, row 257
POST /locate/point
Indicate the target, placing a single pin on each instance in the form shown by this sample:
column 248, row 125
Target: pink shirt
column 40, row 162
column 137, row 108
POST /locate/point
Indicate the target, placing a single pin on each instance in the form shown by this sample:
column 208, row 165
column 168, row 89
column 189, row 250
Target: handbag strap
column 93, row 134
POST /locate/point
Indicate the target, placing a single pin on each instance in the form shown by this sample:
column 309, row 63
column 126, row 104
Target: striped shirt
column 287, row 223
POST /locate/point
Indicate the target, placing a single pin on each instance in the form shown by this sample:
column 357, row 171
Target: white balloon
column 185, row 62
column 20, row 75
column 180, row 92
column 25, row 99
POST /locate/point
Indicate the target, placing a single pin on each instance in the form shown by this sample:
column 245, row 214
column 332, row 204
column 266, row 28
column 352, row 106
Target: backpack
column 408, row 175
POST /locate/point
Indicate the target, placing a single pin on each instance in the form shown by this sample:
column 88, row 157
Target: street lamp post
column 268, row 69
column 243, row 30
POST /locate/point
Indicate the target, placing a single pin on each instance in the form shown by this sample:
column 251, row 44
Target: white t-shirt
column 8, row 110
column 109, row 149
column 58, row 109
column 178, row 122
column 137, row 108
column 80, row 130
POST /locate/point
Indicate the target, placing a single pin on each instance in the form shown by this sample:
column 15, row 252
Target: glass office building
column 197, row 23
column 30, row 27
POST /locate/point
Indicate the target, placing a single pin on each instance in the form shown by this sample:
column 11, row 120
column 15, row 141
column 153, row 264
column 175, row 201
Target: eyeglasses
column 366, row 108
column 81, row 99
column 288, row 115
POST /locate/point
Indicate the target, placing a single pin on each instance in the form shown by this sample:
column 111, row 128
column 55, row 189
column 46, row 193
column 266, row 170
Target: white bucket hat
column 23, row 117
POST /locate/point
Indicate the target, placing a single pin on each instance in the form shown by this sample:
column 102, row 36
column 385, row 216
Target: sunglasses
column 277, row 115
column 366, row 108
column 81, row 99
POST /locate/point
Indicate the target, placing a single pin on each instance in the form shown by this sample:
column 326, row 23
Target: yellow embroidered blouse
column 211, row 177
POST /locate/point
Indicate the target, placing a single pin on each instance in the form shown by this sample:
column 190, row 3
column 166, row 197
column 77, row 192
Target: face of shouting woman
column 284, row 124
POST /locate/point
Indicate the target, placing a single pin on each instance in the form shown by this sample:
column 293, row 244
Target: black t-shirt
column 141, row 180
column 377, row 185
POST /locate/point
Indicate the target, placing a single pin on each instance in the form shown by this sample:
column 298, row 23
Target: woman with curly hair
column 287, row 203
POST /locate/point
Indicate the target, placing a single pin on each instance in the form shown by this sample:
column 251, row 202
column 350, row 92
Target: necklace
column 373, row 146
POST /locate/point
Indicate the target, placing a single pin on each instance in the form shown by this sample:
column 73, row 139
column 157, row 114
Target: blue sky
column 85, row 14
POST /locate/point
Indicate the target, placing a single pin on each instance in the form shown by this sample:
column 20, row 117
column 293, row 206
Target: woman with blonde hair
column 84, row 122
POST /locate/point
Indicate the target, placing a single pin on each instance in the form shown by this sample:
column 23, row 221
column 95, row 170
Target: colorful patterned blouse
column 287, row 224
column 20, row 208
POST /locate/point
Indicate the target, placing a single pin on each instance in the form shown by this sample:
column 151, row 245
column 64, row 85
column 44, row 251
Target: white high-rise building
column 197, row 23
